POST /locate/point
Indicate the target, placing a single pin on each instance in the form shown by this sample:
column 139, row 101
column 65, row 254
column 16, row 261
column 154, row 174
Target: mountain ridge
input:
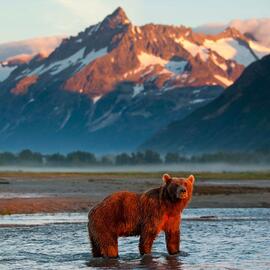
column 116, row 29
column 238, row 120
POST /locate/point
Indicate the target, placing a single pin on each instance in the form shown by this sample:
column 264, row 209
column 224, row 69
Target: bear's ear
column 191, row 179
column 166, row 178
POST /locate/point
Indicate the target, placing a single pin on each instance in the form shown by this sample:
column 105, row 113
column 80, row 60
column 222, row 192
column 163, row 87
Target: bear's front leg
column 146, row 241
column 172, row 234
column 173, row 241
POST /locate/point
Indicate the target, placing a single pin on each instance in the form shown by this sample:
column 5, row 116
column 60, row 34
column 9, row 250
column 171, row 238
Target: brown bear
column 146, row 215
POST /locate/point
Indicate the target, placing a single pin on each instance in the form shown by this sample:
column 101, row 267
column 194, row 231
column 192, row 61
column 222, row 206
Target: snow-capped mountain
column 114, row 84
column 238, row 120
column 115, row 51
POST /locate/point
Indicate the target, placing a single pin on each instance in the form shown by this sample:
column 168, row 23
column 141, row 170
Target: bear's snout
column 181, row 192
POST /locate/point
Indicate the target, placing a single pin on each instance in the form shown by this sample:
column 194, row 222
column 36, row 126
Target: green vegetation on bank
column 81, row 158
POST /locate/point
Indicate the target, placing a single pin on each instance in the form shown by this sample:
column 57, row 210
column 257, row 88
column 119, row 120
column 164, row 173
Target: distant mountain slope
column 239, row 120
column 114, row 85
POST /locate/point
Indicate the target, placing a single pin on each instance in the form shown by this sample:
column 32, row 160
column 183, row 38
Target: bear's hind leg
column 95, row 248
column 110, row 248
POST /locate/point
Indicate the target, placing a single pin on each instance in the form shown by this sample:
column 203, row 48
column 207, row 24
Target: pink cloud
column 29, row 48
column 259, row 28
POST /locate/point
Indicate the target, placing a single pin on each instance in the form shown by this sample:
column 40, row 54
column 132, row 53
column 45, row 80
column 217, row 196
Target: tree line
column 82, row 158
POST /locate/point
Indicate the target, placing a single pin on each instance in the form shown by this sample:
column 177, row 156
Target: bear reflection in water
column 146, row 215
column 146, row 262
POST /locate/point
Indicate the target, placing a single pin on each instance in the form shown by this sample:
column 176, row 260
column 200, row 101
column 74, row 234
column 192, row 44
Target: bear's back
column 119, row 211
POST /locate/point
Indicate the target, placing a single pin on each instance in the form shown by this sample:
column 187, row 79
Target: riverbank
column 30, row 192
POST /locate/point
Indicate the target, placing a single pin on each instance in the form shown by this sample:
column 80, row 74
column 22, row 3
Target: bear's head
column 178, row 189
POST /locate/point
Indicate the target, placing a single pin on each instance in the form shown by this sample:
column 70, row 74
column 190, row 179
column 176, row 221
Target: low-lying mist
column 183, row 167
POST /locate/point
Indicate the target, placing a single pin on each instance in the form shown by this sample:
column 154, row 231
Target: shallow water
column 213, row 239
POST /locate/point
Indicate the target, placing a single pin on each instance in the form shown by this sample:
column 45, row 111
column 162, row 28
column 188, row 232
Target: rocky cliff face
column 115, row 84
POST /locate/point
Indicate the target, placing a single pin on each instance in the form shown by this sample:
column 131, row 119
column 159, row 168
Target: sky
column 24, row 19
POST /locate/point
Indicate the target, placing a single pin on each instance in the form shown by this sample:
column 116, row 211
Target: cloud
column 259, row 28
column 30, row 47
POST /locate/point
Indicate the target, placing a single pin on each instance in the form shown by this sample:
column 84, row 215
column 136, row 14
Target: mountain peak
column 233, row 32
column 118, row 17
column 119, row 12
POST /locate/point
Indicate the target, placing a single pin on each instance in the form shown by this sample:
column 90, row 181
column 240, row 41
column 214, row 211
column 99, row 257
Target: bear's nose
column 181, row 189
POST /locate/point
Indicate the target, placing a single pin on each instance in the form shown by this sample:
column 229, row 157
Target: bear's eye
column 174, row 186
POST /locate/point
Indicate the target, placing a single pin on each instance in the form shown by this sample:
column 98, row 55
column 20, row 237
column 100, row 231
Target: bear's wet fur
column 146, row 215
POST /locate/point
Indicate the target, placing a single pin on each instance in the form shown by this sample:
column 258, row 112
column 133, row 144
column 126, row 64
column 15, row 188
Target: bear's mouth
column 182, row 195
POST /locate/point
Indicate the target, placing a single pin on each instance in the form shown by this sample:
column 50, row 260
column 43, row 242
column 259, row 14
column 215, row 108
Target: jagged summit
column 233, row 32
column 120, row 14
column 116, row 19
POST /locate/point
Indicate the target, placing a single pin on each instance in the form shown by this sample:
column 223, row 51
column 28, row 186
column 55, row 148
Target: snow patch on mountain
column 221, row 65
column 106, row 120
column 65, row 63
column 90, row 57
column 77, row 58
column 57, row 66
column 193, row 48
column 137, row 89
column 5, row 72
column 96, row 98
column 93, row 29
column 150, row 59
column 198, row 100
column 170, row 66
column 68, row 115
column 230, row 49
column 176, row 66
